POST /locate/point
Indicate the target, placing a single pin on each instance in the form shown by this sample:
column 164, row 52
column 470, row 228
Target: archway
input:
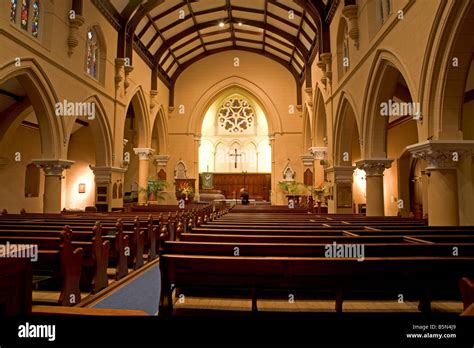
column 90, row 147
column 391, row 123
column 347, row 191
column 319, row 137
column 137, row 150
column 447, row 86
column 27, row 112
column 235, row 146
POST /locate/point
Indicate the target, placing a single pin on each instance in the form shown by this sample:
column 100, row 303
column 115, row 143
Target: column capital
column 374, row 166
column 442, row 154
column 53, row 167
column 104, row 174
column 307, row 159
column 318, row 152
column 162, row 160
column 144, row 153
column 342, row 174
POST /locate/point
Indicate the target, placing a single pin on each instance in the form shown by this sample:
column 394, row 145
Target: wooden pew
column 418, row 275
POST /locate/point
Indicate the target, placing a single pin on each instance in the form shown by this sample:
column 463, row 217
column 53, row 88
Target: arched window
column 236, row 115
column 345, row 50
column 25, row 10
column 92, row 57
column 114, row 191
column 385, row 9
column 13, row 4
column 35, row 19
column 29, row 13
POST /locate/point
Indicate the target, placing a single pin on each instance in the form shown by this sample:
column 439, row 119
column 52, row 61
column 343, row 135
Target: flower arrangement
column 319, row 191
column 186, row 190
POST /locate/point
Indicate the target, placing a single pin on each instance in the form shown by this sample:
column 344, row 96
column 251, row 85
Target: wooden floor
column 353, row 306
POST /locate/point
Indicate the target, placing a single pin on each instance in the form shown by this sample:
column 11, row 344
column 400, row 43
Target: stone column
column 273, row 195
column 197, row 145
column 53, row 172
column 374, row 169
column 143, row 167
column 340, row 179
column 319, row 154
column 442, row 159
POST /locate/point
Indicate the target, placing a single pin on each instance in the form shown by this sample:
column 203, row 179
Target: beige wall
column 12, row 176
column 82, row 152
column 257, row 75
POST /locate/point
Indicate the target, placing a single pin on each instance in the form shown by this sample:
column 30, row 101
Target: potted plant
column 291, row 190
column 155, row 189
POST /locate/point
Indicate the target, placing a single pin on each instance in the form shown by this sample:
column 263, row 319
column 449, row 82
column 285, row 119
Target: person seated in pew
column 244, row 196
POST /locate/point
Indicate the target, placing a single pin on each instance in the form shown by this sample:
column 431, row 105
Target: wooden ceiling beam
column 165, row 43
column 265, row 21
column 231, row 21
column 195, row 22
column 277, row 31
column 183, row 67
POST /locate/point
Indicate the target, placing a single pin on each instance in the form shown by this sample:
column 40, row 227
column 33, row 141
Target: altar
column 228, row 185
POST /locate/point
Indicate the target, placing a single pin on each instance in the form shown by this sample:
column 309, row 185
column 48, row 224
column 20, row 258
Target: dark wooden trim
column 469, row 96
column 82, row 123
column 77, row 6
column 30, row 125
column 17, row 98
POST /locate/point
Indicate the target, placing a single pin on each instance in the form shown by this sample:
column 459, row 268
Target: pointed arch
column 320, row 120
column 382, row 77
column 101, row 131
column 242, row 86
column 43, row 98
column 343, row 48
column 442, row 83
column 139, row 104
column 160, row 125
column 100, row 44
column 346, row 128
column 307, row 134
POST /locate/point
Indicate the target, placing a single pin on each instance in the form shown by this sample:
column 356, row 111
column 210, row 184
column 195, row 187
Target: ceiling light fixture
column 240, row 24
column 221, row 24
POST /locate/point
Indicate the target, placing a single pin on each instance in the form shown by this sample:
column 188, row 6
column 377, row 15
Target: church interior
column 242, row 157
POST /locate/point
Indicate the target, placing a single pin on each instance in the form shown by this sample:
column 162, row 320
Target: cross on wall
column 235, row 155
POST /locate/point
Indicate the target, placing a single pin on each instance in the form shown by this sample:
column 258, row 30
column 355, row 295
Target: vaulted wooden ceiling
column 173, row 34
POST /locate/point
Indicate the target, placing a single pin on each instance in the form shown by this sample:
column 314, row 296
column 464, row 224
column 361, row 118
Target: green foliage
column 156, row 188
column 290, row 187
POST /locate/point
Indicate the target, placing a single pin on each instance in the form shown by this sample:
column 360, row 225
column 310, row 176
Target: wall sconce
column 82, row 188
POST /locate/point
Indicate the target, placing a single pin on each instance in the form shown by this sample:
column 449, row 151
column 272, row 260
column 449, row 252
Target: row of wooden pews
column 77, row 251
column 258, row 252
